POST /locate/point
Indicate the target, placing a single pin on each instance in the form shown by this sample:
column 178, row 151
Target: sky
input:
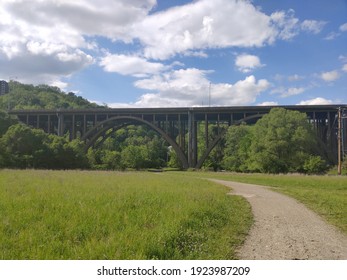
column 167, row 53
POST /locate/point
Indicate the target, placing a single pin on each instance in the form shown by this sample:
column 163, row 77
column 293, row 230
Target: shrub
column 315, row 165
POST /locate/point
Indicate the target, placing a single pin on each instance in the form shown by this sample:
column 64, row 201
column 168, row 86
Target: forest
column 283, row 141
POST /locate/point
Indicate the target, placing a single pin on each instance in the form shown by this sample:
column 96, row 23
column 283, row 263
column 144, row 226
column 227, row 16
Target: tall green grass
column 326, row 195
column 108, row 215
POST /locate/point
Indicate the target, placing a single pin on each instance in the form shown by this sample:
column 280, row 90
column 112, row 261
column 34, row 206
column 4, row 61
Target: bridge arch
column 101, row 128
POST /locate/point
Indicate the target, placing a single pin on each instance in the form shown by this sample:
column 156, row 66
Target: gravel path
column 285, row 229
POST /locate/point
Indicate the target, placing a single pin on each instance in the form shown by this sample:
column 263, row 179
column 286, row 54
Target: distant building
column 4, row 87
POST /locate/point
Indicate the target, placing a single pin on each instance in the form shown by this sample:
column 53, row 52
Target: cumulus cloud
column 316, row 101
column 330, row 76
column 212, row 24
column 344, row 68
column 191, row 87
column 40, row 67
column 45, row 41
column 246, row 63
column 287, row 92
column 287, row 24
column 130, row 65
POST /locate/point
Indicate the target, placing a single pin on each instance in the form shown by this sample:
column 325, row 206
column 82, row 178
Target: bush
column 315, row 165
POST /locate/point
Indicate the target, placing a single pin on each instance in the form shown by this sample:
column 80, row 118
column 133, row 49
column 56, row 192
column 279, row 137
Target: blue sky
column 161, row 53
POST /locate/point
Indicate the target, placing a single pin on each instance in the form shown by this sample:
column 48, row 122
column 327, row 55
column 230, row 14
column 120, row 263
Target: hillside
column 23, row 96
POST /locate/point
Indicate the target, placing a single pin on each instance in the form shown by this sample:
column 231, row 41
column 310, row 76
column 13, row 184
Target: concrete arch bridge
column 178, row 126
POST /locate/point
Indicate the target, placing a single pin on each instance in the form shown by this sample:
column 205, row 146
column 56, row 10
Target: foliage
column 110, row 215
column 23, row 96
column 282, row 141
column 237, row 150
column 315, row 165
column 133, row 147
column 5, row 122
column 23, row 147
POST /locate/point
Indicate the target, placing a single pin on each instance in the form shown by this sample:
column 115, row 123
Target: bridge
column 178, row 126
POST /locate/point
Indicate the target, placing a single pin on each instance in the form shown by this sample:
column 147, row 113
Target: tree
column 23, row 147
column 281, row 142
column 6, row 121
column 134, row 157
column 24, row 96
column 237, row 148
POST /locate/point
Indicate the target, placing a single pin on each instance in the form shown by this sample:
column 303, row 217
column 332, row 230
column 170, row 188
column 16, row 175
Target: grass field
column 326, row 195
column 109, row 215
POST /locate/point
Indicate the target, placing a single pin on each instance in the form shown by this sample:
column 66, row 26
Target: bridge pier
column 60, row 124
column 192, row 140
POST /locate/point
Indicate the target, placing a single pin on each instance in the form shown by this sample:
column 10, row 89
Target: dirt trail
column 285, row 229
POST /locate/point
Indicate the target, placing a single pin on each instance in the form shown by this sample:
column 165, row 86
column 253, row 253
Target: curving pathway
column 285, row 229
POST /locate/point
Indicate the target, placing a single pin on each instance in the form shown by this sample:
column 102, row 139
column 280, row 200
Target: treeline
column 282, row 141
column 24, row 96
column 23, row 147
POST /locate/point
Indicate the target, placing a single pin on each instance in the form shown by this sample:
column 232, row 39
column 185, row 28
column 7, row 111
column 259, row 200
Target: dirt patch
column 285, row 229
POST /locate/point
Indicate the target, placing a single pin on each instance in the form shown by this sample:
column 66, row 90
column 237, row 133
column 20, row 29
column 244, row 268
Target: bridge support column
column 192, row 140
column 60, row 124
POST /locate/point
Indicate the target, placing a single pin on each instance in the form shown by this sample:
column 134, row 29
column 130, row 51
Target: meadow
column 111, row 215
column 326, row 195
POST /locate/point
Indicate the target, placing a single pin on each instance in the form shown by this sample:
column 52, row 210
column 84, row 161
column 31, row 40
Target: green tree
column 6, row 121
column 24, row 147
column 23, row 96
column 237, row 148
column 281, row 142
column 112, row 160
column 134, row 157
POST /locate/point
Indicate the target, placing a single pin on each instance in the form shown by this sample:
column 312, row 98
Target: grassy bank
column 108, row 215
column 326, row 195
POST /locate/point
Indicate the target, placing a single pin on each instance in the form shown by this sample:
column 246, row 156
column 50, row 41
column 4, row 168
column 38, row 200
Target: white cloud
column 287, row 24
column 246, row 63
column 344, row 68
column 343, row 27
column 332, row 36
column 207, row 24
column 268, row 103
column 313, row 26
column 286, row 92
column 330, row 76
column 60, row 84
column 316, row 101
column 43, row 68
column 44, row 41
column 190, row 87
column 130, row 65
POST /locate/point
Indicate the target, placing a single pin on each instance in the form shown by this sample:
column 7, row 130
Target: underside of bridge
column 178, row 126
